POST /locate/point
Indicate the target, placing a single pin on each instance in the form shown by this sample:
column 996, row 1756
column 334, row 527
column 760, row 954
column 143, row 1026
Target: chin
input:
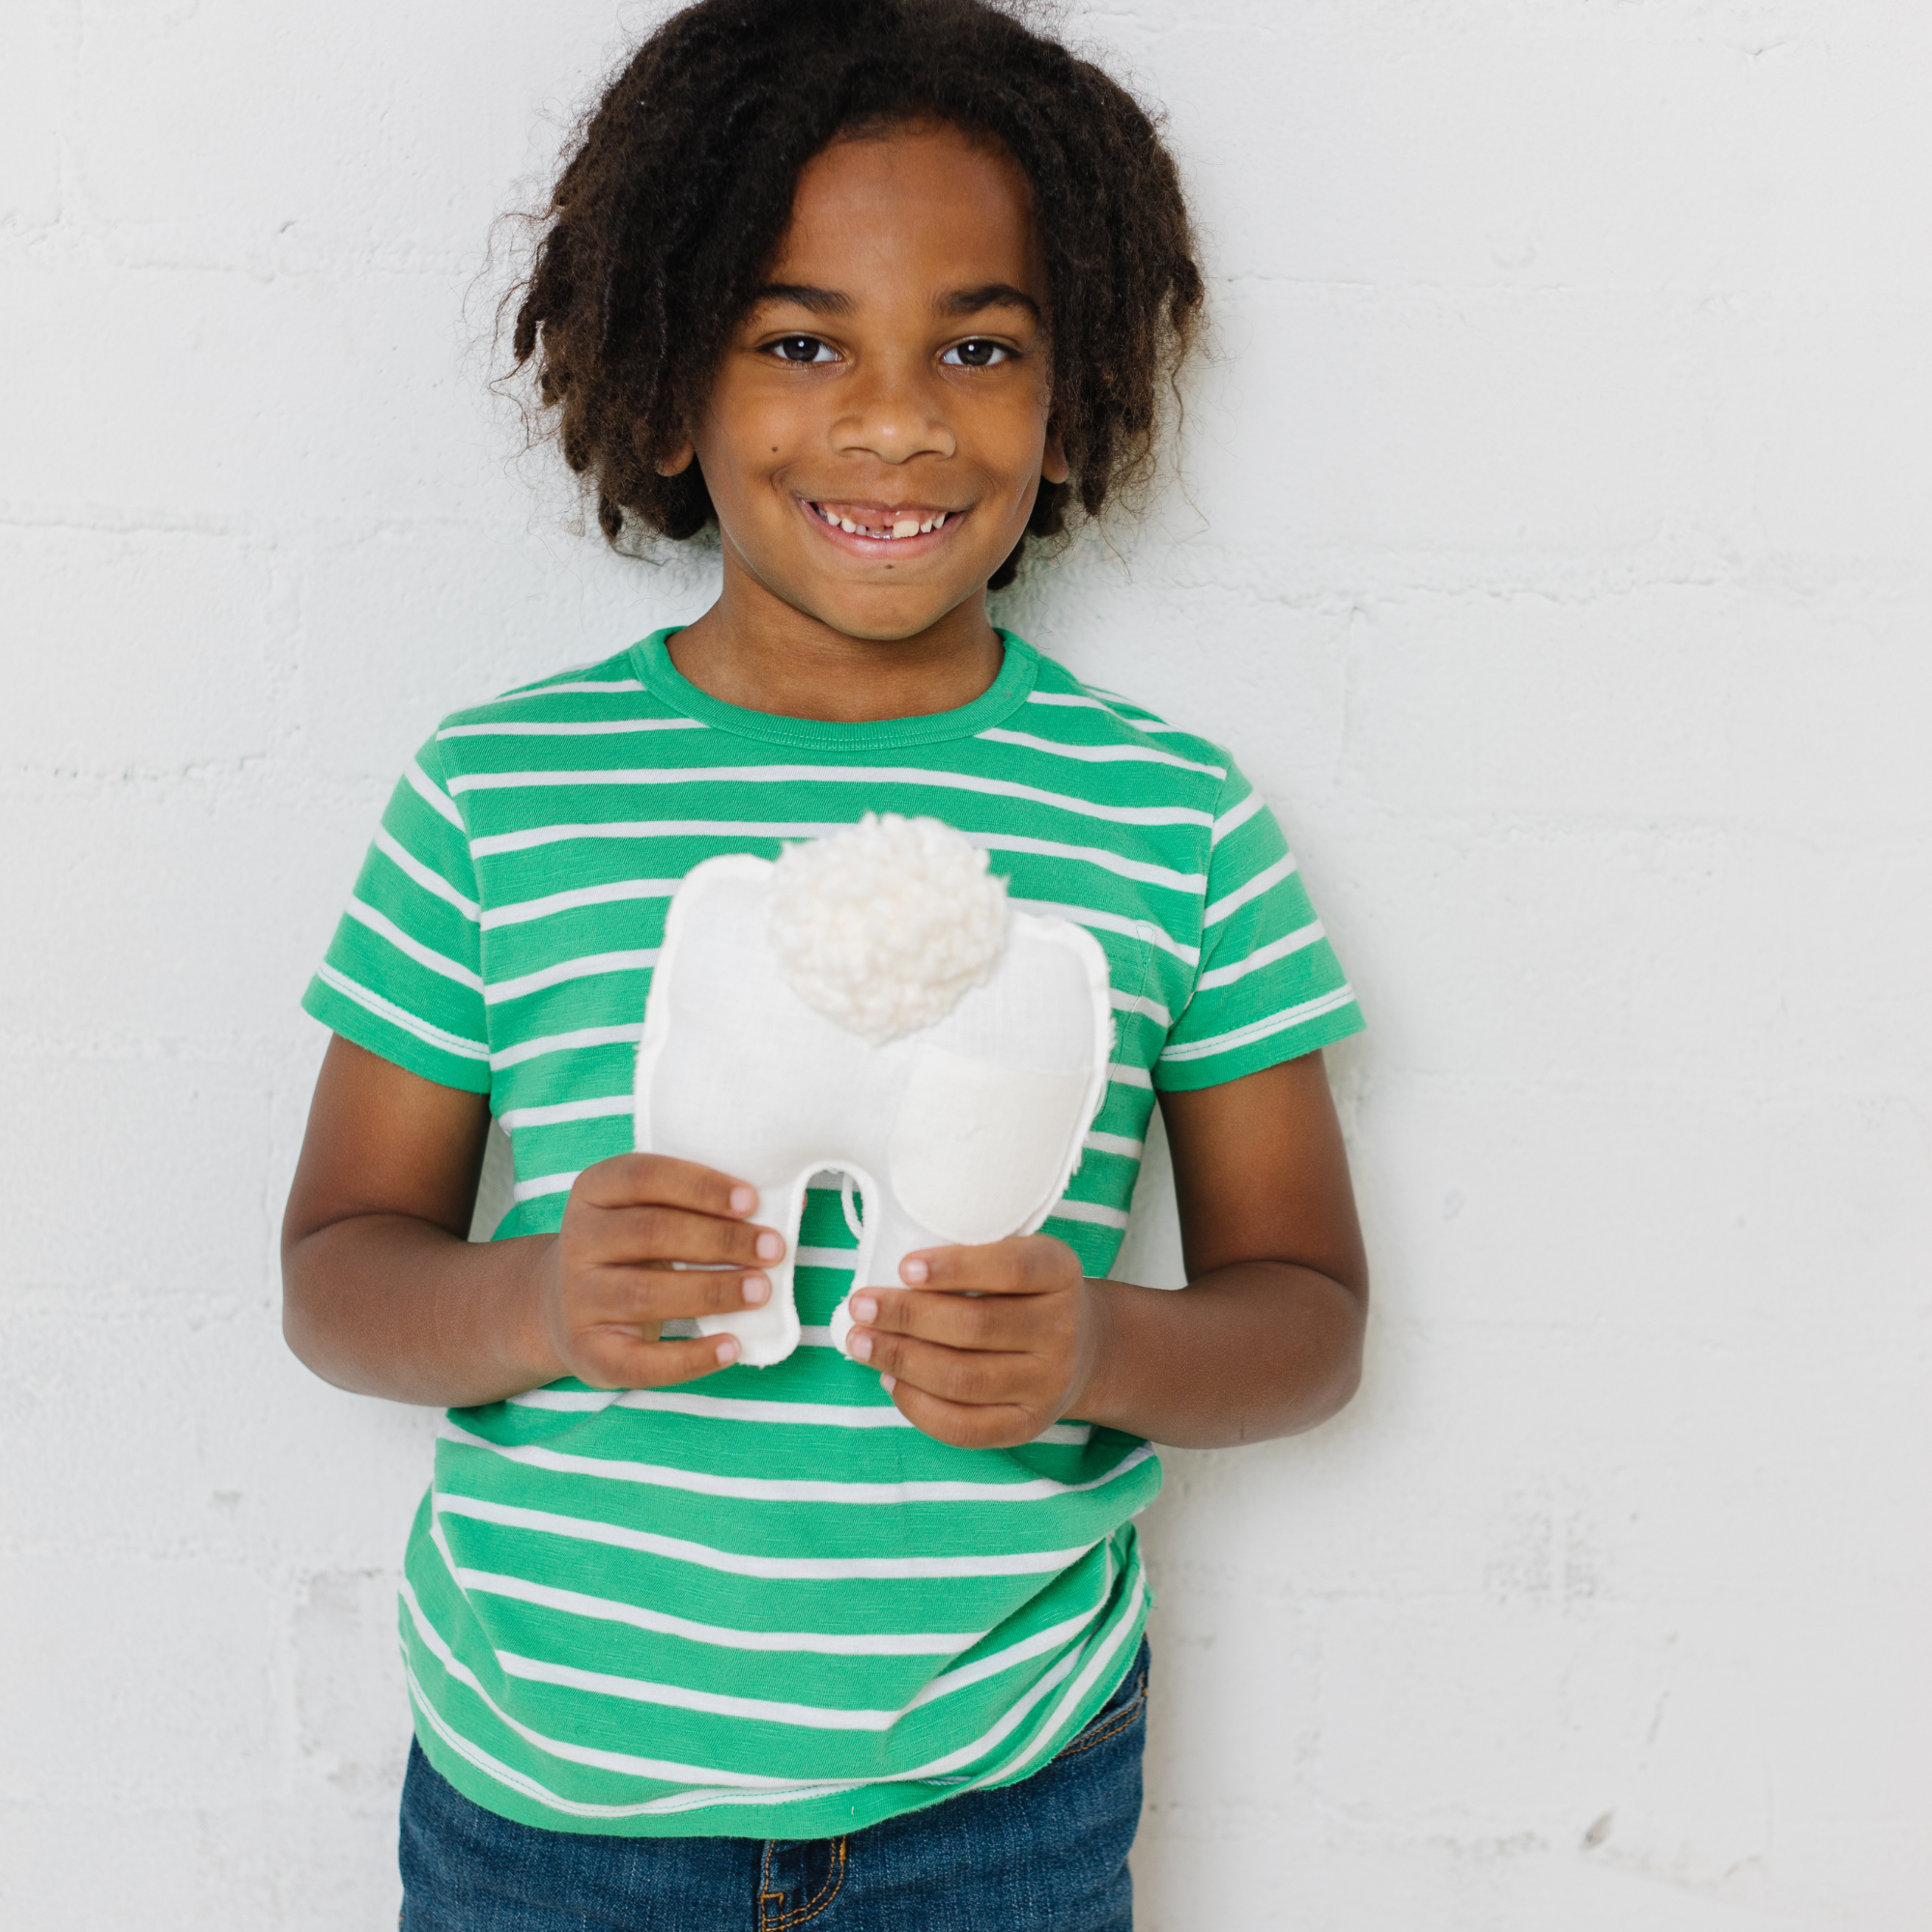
column 882, row 622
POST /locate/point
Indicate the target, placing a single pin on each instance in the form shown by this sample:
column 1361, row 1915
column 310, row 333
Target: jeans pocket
column 1124, row 1709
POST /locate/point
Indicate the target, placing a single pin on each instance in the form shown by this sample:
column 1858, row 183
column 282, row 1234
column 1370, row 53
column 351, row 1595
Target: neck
column 754, row 650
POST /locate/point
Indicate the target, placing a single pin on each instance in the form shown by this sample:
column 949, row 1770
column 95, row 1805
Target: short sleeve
column 400, row 976
column 1267, row 987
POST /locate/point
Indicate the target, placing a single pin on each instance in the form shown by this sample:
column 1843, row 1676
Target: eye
column 977, row 355
column 802, row 348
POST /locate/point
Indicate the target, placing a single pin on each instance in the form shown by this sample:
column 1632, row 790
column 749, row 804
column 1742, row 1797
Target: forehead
column 924, row 207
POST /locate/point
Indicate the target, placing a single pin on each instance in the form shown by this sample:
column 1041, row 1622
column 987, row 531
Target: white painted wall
column 1557, row 551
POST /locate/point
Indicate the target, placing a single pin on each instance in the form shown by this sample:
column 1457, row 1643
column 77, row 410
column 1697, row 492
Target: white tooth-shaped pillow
column 870, row 1006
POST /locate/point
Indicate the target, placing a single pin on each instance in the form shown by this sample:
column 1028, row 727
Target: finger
column 1001, row 1426
column 1025, row 1264
column 996, row 1321
column 615, row 1359
column 639, row 1180
column 632, row 1296
column 661, row 1234
column 976, row 1377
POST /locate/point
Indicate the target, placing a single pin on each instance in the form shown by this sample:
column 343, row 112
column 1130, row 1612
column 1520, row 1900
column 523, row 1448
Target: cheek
column 743, row 435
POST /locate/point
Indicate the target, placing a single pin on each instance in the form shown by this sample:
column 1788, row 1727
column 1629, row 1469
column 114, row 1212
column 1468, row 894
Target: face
column 877, row 430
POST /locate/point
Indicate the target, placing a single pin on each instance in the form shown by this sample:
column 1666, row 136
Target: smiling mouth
column 879, row 524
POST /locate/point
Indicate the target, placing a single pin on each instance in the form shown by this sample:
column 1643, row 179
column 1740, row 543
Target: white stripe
column 1261, row 881
column 579, row 896
column 658, row 828
column 594, row 684
column 1071, row 697
column 1121, row 1143
column 995, row 1661
column 429, row 880
column 735, row 1408
column 1226, row 1042
column 1129, row 1077
column 674, row 1696
column 528, row 730
column 520, row 1118
column 384, row 927
column 1102, row 755
column 820, row 1643
column 786, row 1489
column 1139, row 1003
column 1113, row 922
column 842, row 1259
column 914, row 777
column 1236, row 816
column 585, row 966
column 1263, row 955
column 791, row 1569
column 433, row 795
column 1138, row 719
column 544, row 1184
column 388, row 1010
column 567, row 1043
column 1093, row 855
column 1088, row 1210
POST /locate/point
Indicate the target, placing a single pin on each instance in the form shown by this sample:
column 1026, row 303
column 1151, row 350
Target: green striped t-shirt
column 763, row 1605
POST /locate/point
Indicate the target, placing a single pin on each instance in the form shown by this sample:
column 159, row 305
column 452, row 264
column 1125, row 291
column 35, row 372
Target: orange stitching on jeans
column 835, row 1878
column 1127, row 1716
column 764, row 1881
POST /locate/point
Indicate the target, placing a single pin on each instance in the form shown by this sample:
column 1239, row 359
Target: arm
column 1265, row 1340
column 384, row 1293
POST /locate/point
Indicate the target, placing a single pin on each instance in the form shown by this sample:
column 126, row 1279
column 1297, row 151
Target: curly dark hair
column 678, row 190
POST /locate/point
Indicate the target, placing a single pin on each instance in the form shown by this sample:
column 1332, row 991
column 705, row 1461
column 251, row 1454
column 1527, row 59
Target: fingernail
column 728, row 1352
column 862, row 1347
column 770, row 1247
column 913, row 1270
column 889, row 1383
column 756, row 1290
column 743, row 1200
column 865, row 1307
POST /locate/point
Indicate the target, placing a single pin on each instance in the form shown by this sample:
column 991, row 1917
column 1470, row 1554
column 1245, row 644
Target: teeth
column 901, row 527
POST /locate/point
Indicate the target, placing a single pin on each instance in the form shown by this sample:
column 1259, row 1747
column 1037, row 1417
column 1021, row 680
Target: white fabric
column 967, row 1129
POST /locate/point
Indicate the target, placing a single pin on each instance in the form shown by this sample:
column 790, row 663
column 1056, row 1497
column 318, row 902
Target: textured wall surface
column 1555, row 547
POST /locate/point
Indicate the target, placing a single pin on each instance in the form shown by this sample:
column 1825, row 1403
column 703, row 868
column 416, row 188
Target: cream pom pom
column 885, row 927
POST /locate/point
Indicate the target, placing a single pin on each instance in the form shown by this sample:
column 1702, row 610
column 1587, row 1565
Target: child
column 879, row 287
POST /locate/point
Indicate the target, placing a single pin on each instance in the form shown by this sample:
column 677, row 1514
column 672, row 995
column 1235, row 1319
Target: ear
column 1053, row 465
column 678, row 461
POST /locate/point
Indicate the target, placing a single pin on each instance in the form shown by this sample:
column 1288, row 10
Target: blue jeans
column 1046, row 1855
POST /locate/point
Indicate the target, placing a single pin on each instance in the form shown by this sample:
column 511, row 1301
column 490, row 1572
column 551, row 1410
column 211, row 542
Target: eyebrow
column 820, row 301
column 958, row 301
column 995, row 294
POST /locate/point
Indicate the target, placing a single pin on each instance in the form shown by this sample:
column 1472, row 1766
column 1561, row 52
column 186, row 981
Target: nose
column 893, row 411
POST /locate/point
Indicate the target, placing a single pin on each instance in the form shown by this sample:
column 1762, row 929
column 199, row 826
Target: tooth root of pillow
column 958, row 1101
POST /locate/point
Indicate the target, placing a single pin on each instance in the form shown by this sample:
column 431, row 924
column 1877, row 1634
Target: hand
column 606, row 1281
column 988, row 1346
